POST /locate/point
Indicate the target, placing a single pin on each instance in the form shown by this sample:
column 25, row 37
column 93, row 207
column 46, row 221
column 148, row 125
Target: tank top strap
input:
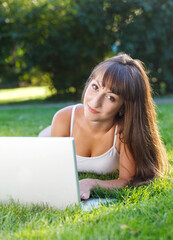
column 115, row 135
column 72, row 118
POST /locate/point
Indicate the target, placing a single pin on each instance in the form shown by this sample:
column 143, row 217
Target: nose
column 97, row 100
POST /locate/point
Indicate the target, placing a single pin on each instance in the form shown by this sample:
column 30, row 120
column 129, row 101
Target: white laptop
column 39, row 170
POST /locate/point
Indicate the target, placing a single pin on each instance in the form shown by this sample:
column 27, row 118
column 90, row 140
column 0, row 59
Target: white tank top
column 108, row 162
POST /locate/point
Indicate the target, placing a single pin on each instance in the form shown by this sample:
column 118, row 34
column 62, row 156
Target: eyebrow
column 102, row 86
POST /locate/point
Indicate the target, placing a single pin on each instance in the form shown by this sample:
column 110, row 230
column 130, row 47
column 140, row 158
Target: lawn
column 24, row 94
column 145, row 212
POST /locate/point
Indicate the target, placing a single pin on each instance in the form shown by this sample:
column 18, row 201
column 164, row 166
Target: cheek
column 85, row 97
column 111, row 110
column 88, row 93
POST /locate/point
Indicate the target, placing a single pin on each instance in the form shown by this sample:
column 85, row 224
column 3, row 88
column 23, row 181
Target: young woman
column 115, row 127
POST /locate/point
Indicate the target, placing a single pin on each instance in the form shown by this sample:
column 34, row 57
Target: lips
column 92, row 110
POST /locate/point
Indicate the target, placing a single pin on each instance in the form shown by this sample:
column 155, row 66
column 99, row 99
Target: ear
column 121, row 110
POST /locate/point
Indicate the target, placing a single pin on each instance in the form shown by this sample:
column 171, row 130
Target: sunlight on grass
column 143, row 212
column 24, row 94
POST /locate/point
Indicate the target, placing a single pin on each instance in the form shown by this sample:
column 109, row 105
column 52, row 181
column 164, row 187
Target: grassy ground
column 139, row 213
column 145, row 212
column 24, row 94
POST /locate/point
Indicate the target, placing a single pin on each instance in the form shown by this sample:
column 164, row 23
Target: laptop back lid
column 39, row 170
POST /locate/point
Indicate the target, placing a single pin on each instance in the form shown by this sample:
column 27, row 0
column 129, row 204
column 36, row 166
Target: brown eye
column 112, row 99
column 94, row 86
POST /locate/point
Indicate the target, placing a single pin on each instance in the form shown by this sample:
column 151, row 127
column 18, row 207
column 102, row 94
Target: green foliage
column 59, row 42
column 58, row 38
column 70, row 39
column 148, row 35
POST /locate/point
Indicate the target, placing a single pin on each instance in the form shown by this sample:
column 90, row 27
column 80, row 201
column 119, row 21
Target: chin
column 90, row 116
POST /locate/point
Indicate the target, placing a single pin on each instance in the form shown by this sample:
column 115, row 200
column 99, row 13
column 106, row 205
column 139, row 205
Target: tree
column 68, row 39
column 148, row 35
column 65, row 39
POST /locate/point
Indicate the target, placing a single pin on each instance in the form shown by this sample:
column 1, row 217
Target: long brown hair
column 137, row 122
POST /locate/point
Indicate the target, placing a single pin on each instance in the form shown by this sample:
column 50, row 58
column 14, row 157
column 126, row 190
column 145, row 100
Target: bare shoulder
column 61, row 122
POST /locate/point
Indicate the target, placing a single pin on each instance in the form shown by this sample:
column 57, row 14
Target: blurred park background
column 49, row 47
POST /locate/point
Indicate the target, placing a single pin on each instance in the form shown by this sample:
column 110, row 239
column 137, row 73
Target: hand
column 86, row 185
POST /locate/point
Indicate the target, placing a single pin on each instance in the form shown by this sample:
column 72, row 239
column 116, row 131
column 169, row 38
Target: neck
column 100, row 127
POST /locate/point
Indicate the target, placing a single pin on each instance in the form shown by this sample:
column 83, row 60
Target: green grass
column 145, row 212
column 25, row 94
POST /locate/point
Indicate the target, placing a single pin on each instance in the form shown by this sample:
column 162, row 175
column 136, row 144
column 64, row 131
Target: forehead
column 99, row 76
column 99, row 80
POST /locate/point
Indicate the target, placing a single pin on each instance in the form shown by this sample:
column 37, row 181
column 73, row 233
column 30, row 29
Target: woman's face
column 100, row 104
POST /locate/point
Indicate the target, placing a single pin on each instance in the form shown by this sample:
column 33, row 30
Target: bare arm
column 61, row 123
column 126, row 173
